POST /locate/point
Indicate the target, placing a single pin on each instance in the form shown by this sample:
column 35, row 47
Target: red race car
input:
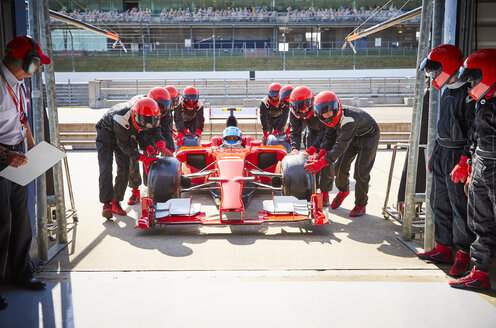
column 231, row 175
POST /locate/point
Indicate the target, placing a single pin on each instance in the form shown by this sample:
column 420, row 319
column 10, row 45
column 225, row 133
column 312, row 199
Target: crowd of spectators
column 97, row 16
column 255, row 14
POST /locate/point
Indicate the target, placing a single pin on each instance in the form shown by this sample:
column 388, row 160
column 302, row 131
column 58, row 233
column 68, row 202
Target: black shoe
column 31, row 284
column 3, row 303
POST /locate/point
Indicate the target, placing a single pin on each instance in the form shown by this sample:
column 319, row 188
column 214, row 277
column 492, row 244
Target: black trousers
column 448, row 201
column 106, row 151
column 272, row 122
column 15, row 230
column 482, row 211
column 364, row 149
column 325, row 178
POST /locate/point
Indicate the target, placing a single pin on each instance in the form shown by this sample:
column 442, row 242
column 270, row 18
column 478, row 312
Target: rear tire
column 296, row 181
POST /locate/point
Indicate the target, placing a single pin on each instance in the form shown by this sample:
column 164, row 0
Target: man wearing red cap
column 22, row 59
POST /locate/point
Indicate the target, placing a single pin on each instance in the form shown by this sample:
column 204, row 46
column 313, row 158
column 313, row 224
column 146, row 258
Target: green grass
column 135, row 64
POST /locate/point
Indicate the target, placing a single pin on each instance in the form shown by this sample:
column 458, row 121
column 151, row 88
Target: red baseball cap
column 20, row 46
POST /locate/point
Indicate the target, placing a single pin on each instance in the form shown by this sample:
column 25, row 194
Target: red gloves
column 150, row 150
column 266, row 135
column 310, row 151
column 198, row 132
column 179, row 139
column 321, row 154
column 316, row 166
column 160, row 146
column 275, row 131
column 460, row 171
column 146, row 161
column 288, row 138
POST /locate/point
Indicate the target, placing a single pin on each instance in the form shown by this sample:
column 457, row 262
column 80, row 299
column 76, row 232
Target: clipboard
column 40, row 158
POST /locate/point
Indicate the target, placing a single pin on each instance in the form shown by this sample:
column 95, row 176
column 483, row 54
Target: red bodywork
column 231, row 167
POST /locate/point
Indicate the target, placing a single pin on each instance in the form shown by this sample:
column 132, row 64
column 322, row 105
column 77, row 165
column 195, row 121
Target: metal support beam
column 35, row 17
column 411, row 178
column 53, row 119
column 436, row 36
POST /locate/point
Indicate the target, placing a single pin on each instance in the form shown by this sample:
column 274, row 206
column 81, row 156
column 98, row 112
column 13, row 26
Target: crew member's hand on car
column 146, row 161
column 179, row 139
column 275, row 131
column 310, row 151
column 198, row 133
column 294, row 151
column 266, row 135
column 150, row 150
column 316, row 166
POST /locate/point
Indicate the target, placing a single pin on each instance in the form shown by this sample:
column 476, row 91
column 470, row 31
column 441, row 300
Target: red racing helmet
column 273, row 93
column 442, row 63
column 190, row 97
column 301, row 102
column 145, row 114
column 162, row 97
column 284, row 94
column 174, row 95
column 480, row 69
column 327, row 108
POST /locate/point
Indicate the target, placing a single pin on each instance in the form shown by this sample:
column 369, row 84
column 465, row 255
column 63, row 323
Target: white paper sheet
column 40, row 158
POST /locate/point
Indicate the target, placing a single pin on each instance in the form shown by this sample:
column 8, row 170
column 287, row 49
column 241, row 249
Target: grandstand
column 250, row 28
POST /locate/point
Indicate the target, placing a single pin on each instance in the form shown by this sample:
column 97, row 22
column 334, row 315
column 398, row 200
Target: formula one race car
column 231, row 175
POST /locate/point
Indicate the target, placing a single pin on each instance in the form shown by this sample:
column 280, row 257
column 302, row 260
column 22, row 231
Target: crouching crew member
column 273, row 115
column 357, row 134
column 301, row 103
column 449, row 160
column 116, row 135
column 480, row 69
column 189, row 116
column 144, row 140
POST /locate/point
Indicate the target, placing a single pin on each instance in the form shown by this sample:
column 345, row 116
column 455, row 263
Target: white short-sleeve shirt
column 11, row 130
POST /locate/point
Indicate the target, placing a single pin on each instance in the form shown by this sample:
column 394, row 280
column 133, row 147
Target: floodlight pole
column 214, row 46
column 284, row 48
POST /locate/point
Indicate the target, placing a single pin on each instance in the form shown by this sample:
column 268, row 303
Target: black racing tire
column 296, row 181
column 164, row 179
column 279, row 139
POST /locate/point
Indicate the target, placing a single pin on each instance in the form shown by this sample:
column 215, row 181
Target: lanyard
column 17, row 102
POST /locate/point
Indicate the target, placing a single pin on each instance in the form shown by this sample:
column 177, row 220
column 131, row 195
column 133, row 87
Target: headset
column 32, row 60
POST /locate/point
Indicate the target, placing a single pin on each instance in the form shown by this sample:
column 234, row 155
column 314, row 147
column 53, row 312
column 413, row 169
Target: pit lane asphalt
column 353, row 273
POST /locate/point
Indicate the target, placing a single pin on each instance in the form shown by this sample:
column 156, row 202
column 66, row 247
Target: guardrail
column 107, row 92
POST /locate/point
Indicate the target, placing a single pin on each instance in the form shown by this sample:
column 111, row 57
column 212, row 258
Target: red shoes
column 440, row 254
column 462, row 263
column 476, row 279
column 338, row 200
column 117, row 209
column 357, row 211
column 107, row 211
column 135, row 197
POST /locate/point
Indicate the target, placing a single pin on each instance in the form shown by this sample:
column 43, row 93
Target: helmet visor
column 274, row 94
column 432, row 68
column 285, row 96
column 146, row 122
column 301, row 107
column 327, row 111
column 469, row 75
column 163, row 104
column 175, row 101
column 190, row 100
